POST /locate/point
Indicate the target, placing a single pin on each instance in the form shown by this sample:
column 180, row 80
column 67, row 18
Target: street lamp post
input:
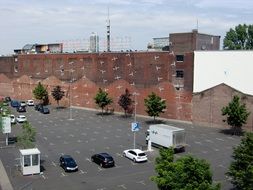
column 135, row 103
column 70, row 91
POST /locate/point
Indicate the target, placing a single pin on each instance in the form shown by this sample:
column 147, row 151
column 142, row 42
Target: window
column 35, row 159
column 179, row 74
column 27, row 160
column 179, row 58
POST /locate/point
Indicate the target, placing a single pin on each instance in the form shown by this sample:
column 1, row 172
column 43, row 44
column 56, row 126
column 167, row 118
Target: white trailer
column 166, row 136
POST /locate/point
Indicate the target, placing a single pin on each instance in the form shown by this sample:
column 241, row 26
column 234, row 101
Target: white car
column 30, row 103
column 21, row 119
column 13, row 119
column 22, row 103
column 136, row 155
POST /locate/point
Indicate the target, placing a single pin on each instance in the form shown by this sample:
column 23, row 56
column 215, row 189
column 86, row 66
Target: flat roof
column 167, row 127
column 29, row 151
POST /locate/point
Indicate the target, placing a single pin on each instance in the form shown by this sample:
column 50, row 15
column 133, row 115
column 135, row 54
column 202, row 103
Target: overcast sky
column 49, row 21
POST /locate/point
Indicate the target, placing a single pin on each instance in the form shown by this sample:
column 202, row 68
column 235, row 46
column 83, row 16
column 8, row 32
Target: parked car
column 23, row 103
column 136, row 155
column 21, row 109
column 13, row 119
column 7, row 99
column 15, row 103
column 44, row 110
column 68, row 163
column 103, row 159
column 30, row 103
column 38, row 107
column 21, row 118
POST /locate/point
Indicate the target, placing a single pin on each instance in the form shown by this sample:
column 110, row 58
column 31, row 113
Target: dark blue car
column 15, row 103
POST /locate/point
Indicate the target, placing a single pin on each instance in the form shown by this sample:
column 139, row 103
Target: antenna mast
column 108, row 31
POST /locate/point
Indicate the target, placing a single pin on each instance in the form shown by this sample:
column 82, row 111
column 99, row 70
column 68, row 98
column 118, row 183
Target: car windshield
column 22, row 117
column 45, row 109
column 141, row 154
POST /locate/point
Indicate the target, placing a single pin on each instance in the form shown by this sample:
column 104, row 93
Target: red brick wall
column 141, row 72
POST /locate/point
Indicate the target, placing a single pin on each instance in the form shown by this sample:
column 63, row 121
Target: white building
column 94, row 42
column 233, row 68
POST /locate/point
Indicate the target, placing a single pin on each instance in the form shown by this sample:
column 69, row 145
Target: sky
column 135, row 22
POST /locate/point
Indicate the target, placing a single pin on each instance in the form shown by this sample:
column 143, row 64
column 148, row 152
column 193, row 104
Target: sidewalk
column 4, row 180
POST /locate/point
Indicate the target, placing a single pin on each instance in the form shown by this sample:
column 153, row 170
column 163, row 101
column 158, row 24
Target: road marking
column 54, row 164
column 119, row 129
column 79, row 141
column 117, row 136
column 141, row 182
column 51, row 144
column 45, row 126
column 231, row 138
column 100, row 169
column 45, row 138
column 63, row 175
column 216, row 150
column 58, row 136
column 39, row 133
column 210, row 141
column 51, row 132
column 71, row 135
column 86, row 141
column 119, row 155
column 83, row 172
column 92, row 150
column 95, row 132
column 88, row 159
column 77, row 151
column 62, row 153
column 50, row 121
column 121, row 146
column 103, row 188
column 107, row 148
column 84, row 134
column 92, row 139
column 105, row 137
column 65, row 142
column 197, row 142
column 40, row 122
column 43, row 176
column 220, row 165
column 122, row 186
column 46, row 155
column 205, row 152
column 219, row 139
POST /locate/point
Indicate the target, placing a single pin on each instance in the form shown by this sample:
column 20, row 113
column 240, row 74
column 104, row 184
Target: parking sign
column 135, row 126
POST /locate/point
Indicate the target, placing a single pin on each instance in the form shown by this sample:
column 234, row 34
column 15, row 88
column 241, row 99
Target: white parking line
column 102, row 188
column 71, row 135
column 105, row 137
column 84, row 134
column 119, row 129
column 141, row 182
column 216, row 149
column 65, row 142
column 51, row 144
column 119, row 155
column 63, row 174
column 83, row 172
column 77, row 151
column 92, row 150
column 88, row 159
column 87, row 141
column 117, row 136
column 58, row 137
column 45, row 138
column 204, row 152
column 219, row 139
column 95, row 132
column 107, row 148
column 79, row 141
column 122, row 186
column 40, row 122
column 197, row 142
column 210, row 141
column 43, row 176
column 231, row 138
column 54, row 164
column 50, row 121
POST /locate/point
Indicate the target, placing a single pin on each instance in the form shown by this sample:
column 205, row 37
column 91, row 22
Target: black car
column 68, row 163
column 21, row 109
column 38, row 107
column 103, row 159
column 44, row 110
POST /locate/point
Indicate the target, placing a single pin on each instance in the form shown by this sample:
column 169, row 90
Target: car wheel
column 92, row 160
column 134, row 160
column 124, row 154
column 101, row 165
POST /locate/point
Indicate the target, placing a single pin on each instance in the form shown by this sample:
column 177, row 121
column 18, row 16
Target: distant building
column 191, row 41
column 94, row 42
column 40, row 48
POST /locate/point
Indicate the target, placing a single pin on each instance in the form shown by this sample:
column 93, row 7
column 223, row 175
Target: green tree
column 58, row 94
column 40, row 93
column 241, row 168
column 102, row 99
column 239, row 38
column 186, row 173
column 27, row 137
column 236, row 113
column 4, row 111
column 125, row 101
column 155, row 105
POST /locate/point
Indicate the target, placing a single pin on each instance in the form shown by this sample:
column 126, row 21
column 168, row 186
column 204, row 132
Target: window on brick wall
column 179, row 74
column 179, row 58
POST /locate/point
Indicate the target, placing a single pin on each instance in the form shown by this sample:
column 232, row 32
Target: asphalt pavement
column 90, row 133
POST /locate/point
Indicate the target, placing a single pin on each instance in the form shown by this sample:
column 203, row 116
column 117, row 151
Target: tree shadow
column 60, row 107
column 104, row 113
column 157, row 121
column 232, row 131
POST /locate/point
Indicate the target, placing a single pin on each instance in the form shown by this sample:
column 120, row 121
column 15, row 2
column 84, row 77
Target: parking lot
column 90, row 133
